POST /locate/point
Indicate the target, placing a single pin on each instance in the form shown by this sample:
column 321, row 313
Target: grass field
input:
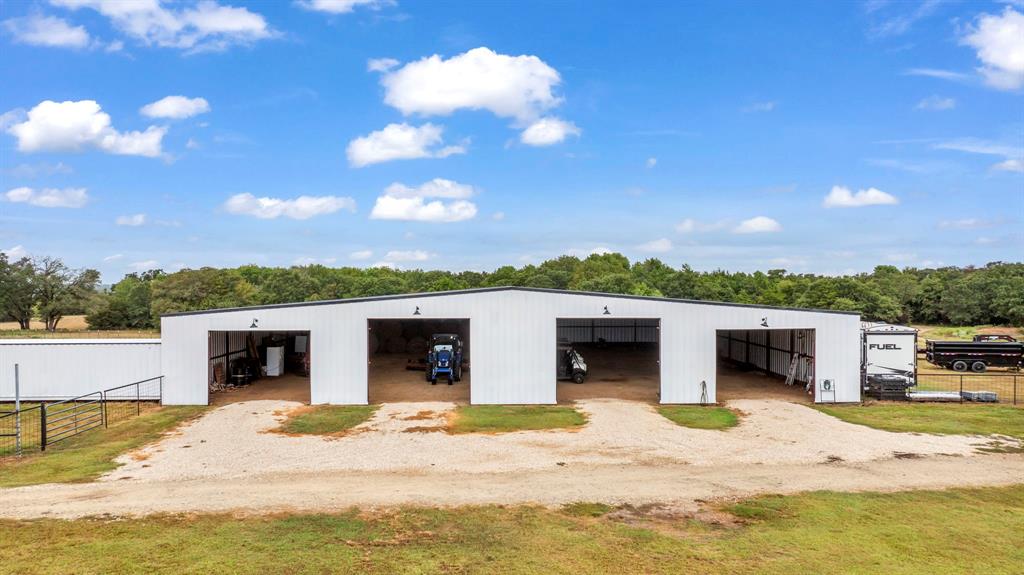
column 505, row 418
column 326, row 419
column 71, row 327
column 91, row 454
column 700, row 417
column 957, row 531
column 934, row 418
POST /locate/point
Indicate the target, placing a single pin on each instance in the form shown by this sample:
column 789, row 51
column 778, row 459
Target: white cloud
column 49, row 197
column 15, row 253
column 309, row 260
column 548, row 131
column 361, row 255
column 176, row 107
column 76, row 126
column 936, row 73
column 113, row 257
column 388, row 265
column 407, row 256
column 651, row 162
column 203, row 26
column 842, row 197
column 999, row 43
column 1012, row 165
column 968, row 224
column 690, row 225
column 401, row 202
column 133, row 220
column 193, row 144
column 759, row 107
column 381, row 64
column 900, row 23
column 936, row 103
column 519, row 87
column 50, row 31
column 300, row 208
column 341, row 6
column 757, row 225
column 1013, row 155
column 658, row 246
column 600, row 251
column 399, row 142
column 498, row 216
column 144, row 265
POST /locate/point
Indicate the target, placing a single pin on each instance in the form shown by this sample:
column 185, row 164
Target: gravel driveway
column 231, row 461
column 236, row 441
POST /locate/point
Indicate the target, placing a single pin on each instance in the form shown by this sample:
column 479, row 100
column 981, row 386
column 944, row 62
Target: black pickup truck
column 976, row 356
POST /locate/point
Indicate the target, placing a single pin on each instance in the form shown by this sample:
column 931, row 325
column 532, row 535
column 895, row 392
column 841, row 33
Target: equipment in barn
column 444, row 358
column 570, row 363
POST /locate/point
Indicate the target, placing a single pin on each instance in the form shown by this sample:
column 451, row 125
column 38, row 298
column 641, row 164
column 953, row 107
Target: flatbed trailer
column 976, row 356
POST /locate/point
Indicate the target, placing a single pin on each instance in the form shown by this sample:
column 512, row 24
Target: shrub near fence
column 1009, row 389
column 45, row 424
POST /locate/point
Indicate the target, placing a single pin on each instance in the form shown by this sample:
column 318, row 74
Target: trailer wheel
column 979, row 367
column 959, row 365
column 578, row 377
column 458, row 373
column 449, row 378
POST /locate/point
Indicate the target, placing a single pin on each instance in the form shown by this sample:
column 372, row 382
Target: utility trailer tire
column 449, row 378
column 458, row 373
column 426, row 374
column 578, row 377
column 959, row 365
column 979, row 367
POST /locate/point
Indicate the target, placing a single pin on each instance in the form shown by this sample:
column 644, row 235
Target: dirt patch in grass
column 508, row 418
column 332, row 420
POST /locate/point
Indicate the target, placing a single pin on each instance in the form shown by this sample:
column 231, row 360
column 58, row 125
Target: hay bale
column 373, row 343
column 417, row 345
column 395, row 344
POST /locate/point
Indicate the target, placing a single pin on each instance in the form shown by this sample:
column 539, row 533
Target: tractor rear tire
column 433, row 381
column 959, row 365
column 458, row 373
column 979, row 367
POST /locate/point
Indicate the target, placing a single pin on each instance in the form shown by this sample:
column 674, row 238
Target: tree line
column 992, row 294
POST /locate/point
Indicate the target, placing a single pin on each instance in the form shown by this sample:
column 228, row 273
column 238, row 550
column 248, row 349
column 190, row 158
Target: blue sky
column 816, row 137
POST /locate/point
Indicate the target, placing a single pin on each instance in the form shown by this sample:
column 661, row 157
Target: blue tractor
column 444, row 358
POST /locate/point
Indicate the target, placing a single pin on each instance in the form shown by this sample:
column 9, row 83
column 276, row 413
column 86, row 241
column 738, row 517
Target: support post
column 17, row 412
column 961, row 389
column 42, row 426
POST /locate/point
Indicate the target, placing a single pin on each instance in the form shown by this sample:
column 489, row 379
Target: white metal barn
column 513, row 332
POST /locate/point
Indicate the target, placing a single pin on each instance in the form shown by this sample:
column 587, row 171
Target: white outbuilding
column 361, row 350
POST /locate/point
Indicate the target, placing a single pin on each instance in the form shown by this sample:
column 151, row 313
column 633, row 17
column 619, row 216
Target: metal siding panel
column 60, row 369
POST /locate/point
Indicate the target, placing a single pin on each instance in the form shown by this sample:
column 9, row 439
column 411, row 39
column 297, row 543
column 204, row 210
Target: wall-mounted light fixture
column 417, row 312
column 606, row 312
column 255, row 323
column 764, row 322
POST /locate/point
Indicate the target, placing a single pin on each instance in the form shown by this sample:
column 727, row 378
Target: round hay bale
column 417, row 345
column 395, row 344
column 388, row 329
column 373, row 343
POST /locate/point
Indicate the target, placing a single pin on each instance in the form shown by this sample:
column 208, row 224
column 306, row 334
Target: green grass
column 327, row 419
column 504, row 418
column 943, row 419
column 926, row 532
column 700, row 417
column 91, row 454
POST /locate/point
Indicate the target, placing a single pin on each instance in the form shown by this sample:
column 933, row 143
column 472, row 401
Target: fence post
column 961, row 389
column 162, row 391
column 138, row 401
column 17, row 412
column 103, row 408
column 42, row 426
